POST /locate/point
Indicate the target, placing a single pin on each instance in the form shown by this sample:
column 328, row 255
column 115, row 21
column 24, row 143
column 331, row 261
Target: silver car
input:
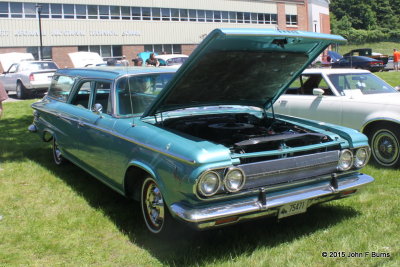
column 28, row 76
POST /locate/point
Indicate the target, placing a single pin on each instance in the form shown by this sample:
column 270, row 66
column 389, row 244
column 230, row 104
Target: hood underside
column 241, row 67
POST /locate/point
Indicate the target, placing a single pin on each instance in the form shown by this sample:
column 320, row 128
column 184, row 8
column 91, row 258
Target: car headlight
column 234, row 180
column 361, row 157
column 345, row 160
column 209, row 183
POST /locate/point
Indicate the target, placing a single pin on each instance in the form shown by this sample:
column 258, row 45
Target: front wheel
column 155, row 213
column 385, row 145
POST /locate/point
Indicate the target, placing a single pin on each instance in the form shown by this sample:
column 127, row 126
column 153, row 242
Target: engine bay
column 243, row 132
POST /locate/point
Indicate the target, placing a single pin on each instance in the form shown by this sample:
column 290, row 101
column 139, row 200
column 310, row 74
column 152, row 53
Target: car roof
column 168, row 56
column 334, row 71
column 113, row 72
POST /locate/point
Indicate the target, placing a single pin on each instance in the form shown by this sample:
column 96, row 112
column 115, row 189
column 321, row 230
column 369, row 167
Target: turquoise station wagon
column 199, row 144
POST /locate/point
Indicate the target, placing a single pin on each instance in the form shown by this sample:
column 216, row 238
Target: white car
column 353, row 98
column 172, row 59
column 26, row 77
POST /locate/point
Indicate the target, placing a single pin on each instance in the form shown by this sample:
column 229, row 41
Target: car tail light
column 375, row 63
column 31, row 77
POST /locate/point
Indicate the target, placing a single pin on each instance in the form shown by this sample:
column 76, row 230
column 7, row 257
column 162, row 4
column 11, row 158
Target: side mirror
column 98, row 108
column 318, row 91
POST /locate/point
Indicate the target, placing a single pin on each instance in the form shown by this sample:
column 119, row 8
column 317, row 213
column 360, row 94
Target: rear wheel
column 155, row 213
column 21, row 91
column 385, row 145
column 57, row 156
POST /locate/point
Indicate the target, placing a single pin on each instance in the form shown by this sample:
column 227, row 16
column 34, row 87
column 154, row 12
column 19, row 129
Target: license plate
column 293, row 209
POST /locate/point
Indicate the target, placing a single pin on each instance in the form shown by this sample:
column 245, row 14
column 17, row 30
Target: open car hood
column 251, row 67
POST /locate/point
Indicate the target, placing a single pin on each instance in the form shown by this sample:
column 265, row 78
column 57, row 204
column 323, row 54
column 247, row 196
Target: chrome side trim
column 205, row 217
column 126, row 138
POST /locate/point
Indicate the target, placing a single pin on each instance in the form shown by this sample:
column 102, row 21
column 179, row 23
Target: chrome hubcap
column 153, row 206
column 385, row 147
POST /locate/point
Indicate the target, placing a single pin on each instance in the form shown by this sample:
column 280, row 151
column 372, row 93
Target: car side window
column 60, row 87
column 102, row 96
column 136, row 93
column 82, row 95
column 305, row 84
column 13, row 68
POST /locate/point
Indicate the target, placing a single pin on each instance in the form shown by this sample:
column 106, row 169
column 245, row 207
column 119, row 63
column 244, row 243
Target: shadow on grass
column 188, row 247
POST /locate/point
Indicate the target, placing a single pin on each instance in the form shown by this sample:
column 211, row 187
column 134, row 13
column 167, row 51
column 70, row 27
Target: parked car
column 353, row 98
column 86, row 59
column 359, row 62
column 26, row 77
column 198, row 146
column 367, row 52
column 172, row 59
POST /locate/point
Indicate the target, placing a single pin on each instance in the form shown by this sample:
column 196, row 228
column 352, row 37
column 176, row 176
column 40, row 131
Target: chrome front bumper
column 268, row 204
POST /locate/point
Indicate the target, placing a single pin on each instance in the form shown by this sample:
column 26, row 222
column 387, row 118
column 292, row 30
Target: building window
column 175, row 14
column 164, row 48
column 80, row 11
column 106, row 51
column 166, row 14
column 232, row 17
column 136, row 13
column 146, row 13
column 125, row 13
column 115, row 12
column 93, row 12
column 209, row 16
column 184, row 15
column 16, row 10
column 30, row 10
column 47, row 52
column 4, row 10
column 56, row 11
column 68, row 11
column 217, row 16
column 104, row 12
column 156, row 13
column 239, row 16
column 291, row 19
column 225, row 16
column 201, row 15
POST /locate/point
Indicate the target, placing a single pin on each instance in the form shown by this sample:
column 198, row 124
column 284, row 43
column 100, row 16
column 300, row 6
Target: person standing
column 124, row 62
column 396, row 59
column 152, row 61
column 3, row 96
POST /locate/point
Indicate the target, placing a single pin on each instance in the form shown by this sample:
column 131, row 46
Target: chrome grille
column 286, row 170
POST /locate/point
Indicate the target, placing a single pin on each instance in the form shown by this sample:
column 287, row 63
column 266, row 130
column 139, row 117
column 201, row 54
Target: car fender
column 387, row 116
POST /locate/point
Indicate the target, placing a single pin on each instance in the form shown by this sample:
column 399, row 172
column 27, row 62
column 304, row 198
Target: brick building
column 130, row 27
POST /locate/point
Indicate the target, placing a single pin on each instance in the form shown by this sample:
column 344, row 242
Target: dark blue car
column 359, row 62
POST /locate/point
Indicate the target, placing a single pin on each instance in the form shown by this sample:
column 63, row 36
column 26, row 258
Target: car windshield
column 136, row 93
column 367, row 83
column 34, row 66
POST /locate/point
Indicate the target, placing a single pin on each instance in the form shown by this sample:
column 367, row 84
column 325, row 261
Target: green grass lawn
column 61, row 216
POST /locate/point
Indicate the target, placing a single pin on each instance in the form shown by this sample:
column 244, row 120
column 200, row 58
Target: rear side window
column 60, row 87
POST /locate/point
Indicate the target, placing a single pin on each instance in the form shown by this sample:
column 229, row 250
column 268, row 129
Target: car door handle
column 81, row 124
